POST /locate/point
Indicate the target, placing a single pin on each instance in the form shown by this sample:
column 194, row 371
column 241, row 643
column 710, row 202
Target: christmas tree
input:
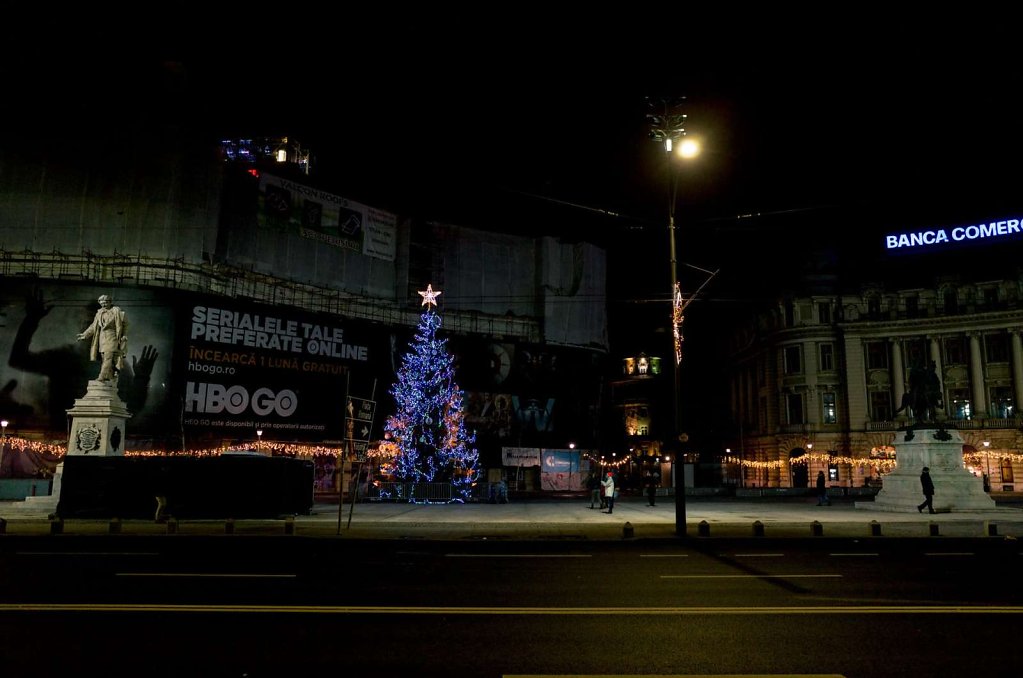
column 429, row 425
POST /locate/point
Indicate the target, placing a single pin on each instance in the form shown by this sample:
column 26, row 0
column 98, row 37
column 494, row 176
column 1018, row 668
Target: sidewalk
column 569, row 518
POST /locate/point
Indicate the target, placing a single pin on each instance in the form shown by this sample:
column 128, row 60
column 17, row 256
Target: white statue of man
column 109, row 334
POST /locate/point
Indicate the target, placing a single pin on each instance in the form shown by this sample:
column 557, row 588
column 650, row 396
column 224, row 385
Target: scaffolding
column 234, row 282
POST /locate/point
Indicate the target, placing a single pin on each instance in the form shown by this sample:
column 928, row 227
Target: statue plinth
column 941, row 450
column 98, row 422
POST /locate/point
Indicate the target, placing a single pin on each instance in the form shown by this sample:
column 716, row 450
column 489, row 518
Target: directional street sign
column 361, row 409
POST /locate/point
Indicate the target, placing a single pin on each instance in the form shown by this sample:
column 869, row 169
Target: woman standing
column 609, row 491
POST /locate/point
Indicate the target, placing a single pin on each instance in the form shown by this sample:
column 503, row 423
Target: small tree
column 429, row 425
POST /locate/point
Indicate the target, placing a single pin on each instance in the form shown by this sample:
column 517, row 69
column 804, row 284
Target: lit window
column 830, row 409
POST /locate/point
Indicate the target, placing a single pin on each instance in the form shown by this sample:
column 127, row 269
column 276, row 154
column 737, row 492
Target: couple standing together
column 603, row 491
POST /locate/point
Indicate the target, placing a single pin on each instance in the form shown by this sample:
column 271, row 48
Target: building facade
column 818, row 382
column 188, row 235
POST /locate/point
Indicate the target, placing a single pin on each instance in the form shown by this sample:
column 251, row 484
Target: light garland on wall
column 882, row 465
column 14, row 444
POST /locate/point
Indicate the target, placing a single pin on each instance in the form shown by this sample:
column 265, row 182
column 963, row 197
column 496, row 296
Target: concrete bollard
column 172, row 525
column 992, row 529
column 57, row 526
column 229, row 526
column 703, row 529
column 816, row 529
column 115, row 526
column 875, row 528
column 289, row 525
column 934, row 529
column 627, row 531
column 758, row 528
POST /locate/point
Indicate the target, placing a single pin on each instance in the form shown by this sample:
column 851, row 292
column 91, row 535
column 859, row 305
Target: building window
column 951, row 302
column 1006, row 468
column 830, row 410
column 827, row 357
column 824, row 313
column 1001, row 402
column 880, row 406
column 916, row 352
column 793, row 360
column 913, row 307
column 790, row 314
column 991, row 297
column 795, row 407
column 996, row 346
column 877, row 355
column 955, row 351
column 959, row 403
column 874, row 307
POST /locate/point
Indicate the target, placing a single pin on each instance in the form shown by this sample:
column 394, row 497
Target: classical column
column 979, row 409
column 1017, row 370
column 898, row 373
column 936, row 354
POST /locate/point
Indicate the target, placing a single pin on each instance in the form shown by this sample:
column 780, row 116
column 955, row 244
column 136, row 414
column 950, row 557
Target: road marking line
column 750, row 576
column 759, row 555
column 509, row 611
column 850, row 555
column 517, row 555
column 85, row 553
column 948, row 554
column 225, row 575
column 663, row 555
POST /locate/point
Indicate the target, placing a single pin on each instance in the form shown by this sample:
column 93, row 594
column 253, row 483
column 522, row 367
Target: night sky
column 818, row 134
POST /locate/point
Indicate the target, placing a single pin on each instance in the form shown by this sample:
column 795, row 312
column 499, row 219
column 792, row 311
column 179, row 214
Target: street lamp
column 259, row 437
column 667, row 127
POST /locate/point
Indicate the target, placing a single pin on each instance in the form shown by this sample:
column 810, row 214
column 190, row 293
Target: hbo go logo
column 216, row 398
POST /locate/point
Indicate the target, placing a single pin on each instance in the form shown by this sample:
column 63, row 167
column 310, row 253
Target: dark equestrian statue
column 924, row 394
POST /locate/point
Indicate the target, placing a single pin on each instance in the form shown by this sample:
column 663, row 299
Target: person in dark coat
column 822, row 490
column 593, row 485
column 928, row 487
column 651, row 480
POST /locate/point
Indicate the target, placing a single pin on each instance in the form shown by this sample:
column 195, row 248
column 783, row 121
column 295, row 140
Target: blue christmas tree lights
column 428, row 427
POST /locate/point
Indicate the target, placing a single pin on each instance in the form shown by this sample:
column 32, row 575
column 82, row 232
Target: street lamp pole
column 667, row 127
column 3, row 441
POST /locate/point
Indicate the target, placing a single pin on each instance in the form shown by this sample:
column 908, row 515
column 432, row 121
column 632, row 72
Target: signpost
column 359, row 414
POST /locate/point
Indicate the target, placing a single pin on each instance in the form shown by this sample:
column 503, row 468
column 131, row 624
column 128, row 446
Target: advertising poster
column 274, row 369
column 563, row 470
column 45, row 368
column 327, row 218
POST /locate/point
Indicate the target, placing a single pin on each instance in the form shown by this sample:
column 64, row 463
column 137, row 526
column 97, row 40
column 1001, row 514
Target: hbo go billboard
column 255, row 367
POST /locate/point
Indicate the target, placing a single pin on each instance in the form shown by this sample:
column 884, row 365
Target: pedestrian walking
column 609, row 491
column 822, row 490
column 593, row 485
column 650, row 480
column 927, row 485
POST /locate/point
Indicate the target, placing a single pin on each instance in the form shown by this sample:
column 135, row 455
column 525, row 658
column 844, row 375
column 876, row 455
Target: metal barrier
column 426, row 493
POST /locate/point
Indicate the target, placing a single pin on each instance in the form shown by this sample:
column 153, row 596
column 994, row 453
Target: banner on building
column 563, row 470
column 520, row 456
column 274, row 369
column 326, row 217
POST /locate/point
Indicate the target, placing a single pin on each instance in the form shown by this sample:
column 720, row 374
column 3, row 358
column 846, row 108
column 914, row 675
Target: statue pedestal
column 98, row 422
column 955, row 488
column 97, row 429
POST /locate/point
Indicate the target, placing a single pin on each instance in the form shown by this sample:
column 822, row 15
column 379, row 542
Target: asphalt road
column 255, row 606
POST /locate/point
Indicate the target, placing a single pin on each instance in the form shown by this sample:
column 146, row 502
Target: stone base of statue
column 941, row 450
column 45, row 503
column 98, row 422
column 97, row 429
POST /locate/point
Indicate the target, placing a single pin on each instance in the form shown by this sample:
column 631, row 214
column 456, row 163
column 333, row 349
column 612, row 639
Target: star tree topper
column 429, row 296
